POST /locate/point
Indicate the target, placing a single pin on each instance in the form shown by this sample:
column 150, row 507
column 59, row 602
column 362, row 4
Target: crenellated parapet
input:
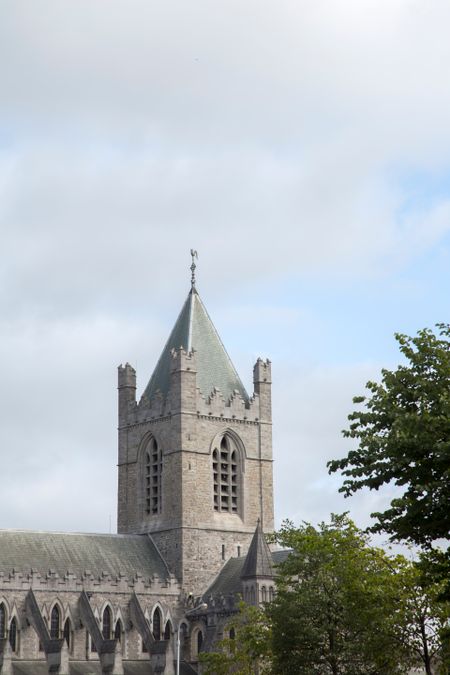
column 89, row 582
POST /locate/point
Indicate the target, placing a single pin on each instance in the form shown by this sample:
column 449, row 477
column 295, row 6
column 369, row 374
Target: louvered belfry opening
column 225, row 476
column 153, row 471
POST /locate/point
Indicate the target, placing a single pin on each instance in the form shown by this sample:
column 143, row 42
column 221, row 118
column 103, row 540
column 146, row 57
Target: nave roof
column 114, row 554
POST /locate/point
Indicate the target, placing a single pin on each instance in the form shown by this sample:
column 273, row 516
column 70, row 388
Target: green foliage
column 342, row 607
column 421, row 616
column 335, row 603
column 404, row 437
column 248, row 653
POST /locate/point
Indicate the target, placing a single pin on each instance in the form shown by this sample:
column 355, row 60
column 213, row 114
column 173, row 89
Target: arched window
column 55, row 623
column 157, row 624
column 67, row 633
column 232, row 634
column 226, row 478
column 2, row 620
column 270, row 593
column 13, row 634
column 152, row 477
column 106, row 624
column 199, row 641
column 252, row 595
column 264, row 594
column 118, row 630
column 167, row 631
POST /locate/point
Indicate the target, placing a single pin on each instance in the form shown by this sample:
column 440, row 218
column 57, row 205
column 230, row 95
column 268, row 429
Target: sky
column 302, row 147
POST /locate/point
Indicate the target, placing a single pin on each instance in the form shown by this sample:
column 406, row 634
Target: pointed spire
column 194, row 330
column 258, row 562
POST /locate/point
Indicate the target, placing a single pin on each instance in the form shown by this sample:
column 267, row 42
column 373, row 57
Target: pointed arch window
column 106, row 624
column 152, row 477
column 199, row 641
column 67, row 633
column 167, row 631
column 118, row 630
column 157, row 624
column 13, row 635
column 55, row 623
column 226, row 475
column 2, row 620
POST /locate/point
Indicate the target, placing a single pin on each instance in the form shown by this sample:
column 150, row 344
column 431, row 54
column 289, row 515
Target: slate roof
column 258, row 562
column 194, row 330
column 228, row 582
column 114, row 554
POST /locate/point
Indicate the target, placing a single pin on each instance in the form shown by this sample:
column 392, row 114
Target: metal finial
column 194, row 254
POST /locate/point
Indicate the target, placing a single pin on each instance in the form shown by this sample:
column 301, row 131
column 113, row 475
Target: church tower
column 195, row 453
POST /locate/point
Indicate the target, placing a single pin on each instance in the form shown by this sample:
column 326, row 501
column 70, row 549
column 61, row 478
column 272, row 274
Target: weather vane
column 194, row 254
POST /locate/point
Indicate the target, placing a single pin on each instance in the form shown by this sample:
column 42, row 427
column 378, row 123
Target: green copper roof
column 195, row 330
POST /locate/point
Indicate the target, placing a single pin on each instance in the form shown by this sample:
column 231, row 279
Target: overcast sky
column 302, row 147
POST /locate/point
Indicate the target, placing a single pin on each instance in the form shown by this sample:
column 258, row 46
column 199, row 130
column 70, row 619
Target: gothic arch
column 14, row 629
column 157, row 622
column 55, row 621
column 3, row 618
column 67, row 633
column 228, row 465
column 197, row 640
column 168, row 630
column 107, row 621
column 150, row 462
column 237, row 440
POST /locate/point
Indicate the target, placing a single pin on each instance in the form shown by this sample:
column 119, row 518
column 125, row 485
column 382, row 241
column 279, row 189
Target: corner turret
column 262, row 384
column 127, row 390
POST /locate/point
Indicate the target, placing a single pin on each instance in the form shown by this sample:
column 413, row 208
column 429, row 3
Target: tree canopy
column 342, row 607
column 335, row 605
column 403, row 435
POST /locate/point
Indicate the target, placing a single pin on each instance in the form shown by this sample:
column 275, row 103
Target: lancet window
column 157, row 624
column 152, row 478
column 118, row 631
column 55, row 622
column 13, row 634
column 106, row 624
column 2, row 621
column 226, row 475
column 67, row 634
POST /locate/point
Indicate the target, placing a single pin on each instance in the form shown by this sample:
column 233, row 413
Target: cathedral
column 195, row 496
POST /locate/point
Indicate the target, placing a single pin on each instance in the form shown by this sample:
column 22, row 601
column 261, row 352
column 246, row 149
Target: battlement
column 103, row 582
column 182, row 360
column 262, row 371
column 126, row 376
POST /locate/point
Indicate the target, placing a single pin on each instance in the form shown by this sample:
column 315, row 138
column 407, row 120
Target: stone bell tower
column 195, row 453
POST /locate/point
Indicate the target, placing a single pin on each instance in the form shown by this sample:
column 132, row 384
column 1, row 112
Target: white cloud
column 274, row 138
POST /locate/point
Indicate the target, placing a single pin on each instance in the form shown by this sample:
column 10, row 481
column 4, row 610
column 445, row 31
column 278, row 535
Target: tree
column 420, row 620
column 245, row 648
column 403, row 436
column 336, row 605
